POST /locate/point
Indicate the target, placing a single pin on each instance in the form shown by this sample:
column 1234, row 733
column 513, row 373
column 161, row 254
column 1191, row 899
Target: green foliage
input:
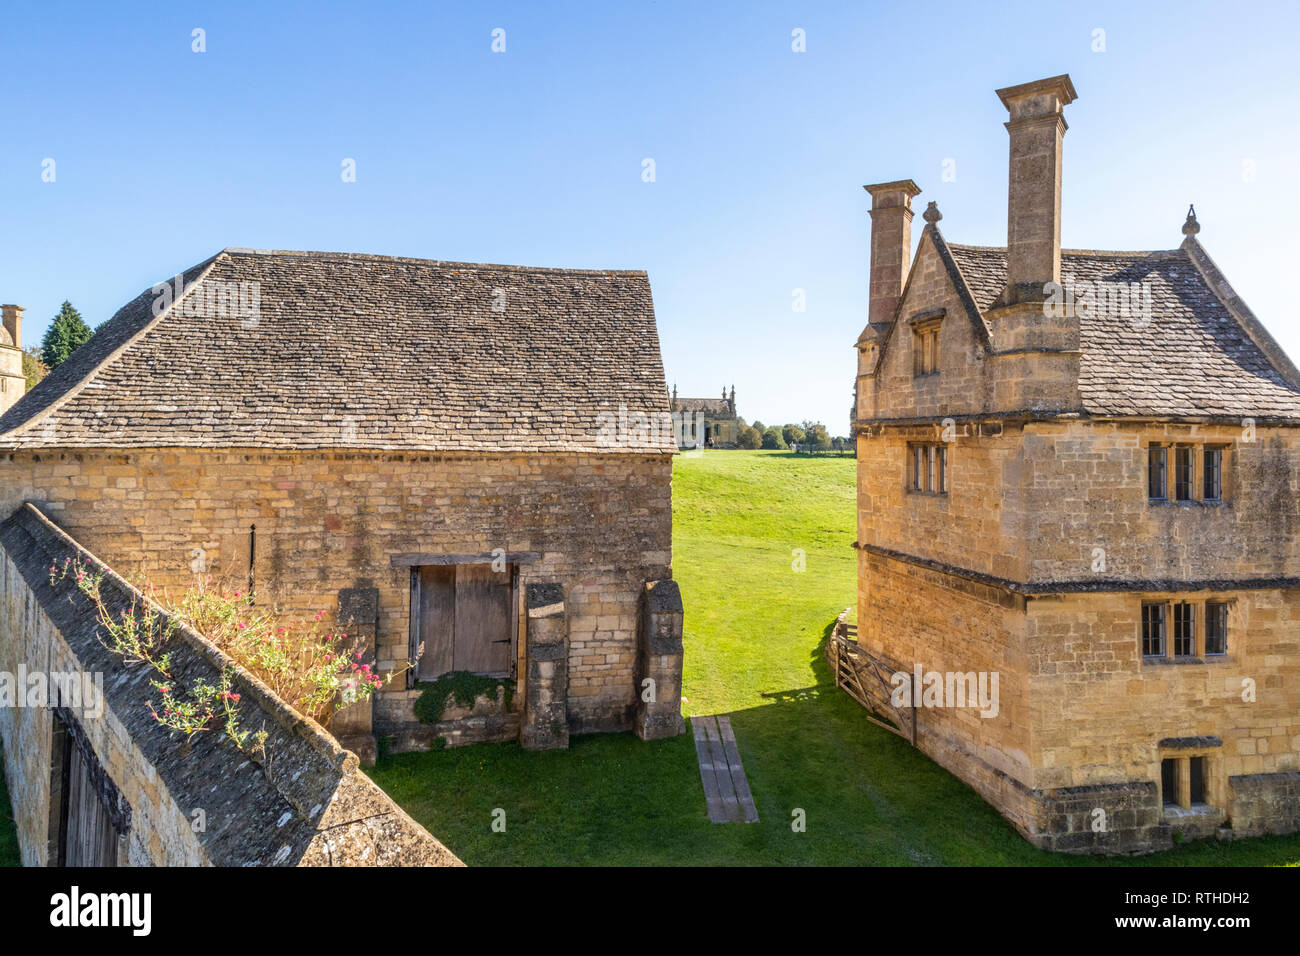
column 34, row 368
column 758, row 426
column 65, row 335
column 464, row 687
column 817, row 437
column 792, row 434
column 773, row 440
column 749, row 438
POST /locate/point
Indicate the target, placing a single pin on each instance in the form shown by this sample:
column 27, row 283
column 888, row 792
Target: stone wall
column 601, row 525
column 299, row 800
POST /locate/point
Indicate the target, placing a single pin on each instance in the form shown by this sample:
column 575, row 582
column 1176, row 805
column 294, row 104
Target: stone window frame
column 1183, row 751
column 925, row 343
column 927, row 469
column 1200, row 630
column 1199, row 455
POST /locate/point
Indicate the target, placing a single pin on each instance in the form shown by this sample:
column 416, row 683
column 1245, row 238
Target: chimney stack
column 891, row 245
column 1037, row 127
column 13, row 323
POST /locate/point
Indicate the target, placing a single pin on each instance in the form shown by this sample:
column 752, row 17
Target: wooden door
column 482, row 620
column 87, row 835
column 466, row 619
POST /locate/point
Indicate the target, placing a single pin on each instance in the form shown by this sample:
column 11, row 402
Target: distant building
column 720, row 424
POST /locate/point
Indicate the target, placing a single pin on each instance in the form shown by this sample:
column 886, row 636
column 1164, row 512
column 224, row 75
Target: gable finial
column 1191, row 227
column 932, row 213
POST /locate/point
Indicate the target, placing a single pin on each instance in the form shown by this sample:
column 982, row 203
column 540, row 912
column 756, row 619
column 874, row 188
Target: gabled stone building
column 435, row 452
column 1079, row 475
column 708, row 422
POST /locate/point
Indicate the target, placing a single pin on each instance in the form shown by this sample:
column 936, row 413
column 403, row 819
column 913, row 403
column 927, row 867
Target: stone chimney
column 13, row 324
column 1037, row 127
column 13, row 383
column 891, row 246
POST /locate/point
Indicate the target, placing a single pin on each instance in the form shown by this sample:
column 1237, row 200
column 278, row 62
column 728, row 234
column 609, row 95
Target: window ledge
column 1194, row 503
column 1180, row 661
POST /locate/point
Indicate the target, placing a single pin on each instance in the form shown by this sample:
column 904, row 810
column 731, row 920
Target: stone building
column 1079, row 490
column 435, row 452
column 712, row 421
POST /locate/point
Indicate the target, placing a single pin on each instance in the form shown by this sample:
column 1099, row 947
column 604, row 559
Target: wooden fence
column 868, row 680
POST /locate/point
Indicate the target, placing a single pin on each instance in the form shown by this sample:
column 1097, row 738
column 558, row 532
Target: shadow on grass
column 863, row 795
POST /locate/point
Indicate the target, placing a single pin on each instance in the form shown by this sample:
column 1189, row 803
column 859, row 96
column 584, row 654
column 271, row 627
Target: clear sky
column 535, row 155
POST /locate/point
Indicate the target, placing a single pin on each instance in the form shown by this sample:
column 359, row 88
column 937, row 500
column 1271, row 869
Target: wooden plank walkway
column 726, row 791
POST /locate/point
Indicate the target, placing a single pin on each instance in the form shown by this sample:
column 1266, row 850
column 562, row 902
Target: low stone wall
column 1264, row 803
column 299, row 801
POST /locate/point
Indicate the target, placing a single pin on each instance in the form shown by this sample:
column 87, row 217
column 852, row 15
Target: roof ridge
column 369, row 256
column 1077, row 252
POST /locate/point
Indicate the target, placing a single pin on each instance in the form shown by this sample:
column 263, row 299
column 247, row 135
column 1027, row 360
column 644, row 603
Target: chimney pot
column 13, row 324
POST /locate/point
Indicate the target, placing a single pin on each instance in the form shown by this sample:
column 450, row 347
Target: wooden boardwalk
column 726, row 791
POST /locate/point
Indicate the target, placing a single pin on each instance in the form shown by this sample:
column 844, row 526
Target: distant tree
column 772, row 438
column 749, row 438
column 33, row 367
column 793, row 434
column 66, row 333
column 818, row 438
column 759, row 426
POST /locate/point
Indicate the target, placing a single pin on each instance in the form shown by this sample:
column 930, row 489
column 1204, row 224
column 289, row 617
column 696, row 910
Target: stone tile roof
column 713, row 406
column 1194, row 358
column 360, row 351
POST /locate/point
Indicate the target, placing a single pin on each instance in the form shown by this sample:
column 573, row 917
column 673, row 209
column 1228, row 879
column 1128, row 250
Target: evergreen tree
column 65, row 334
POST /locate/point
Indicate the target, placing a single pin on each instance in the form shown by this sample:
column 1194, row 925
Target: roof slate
column 365, row 352
column 1193, row 358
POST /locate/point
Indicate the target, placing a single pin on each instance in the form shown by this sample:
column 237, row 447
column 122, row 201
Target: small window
column 1183, row 473
column 1216, row 628
column 1153, row 630
column 1184, row 630
column 925, row 342
column 1213, row 474
column 928, row 469
column 1156, row 472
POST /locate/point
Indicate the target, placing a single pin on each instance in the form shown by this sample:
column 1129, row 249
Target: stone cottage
column 1079, row 519
column 469, row 465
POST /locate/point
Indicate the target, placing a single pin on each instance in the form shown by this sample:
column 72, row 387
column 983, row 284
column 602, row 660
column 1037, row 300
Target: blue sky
column 534, row 156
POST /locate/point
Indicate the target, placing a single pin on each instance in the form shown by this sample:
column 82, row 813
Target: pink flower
column 357, row 655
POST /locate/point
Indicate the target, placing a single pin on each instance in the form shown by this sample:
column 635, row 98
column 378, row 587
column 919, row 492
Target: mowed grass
column 753, row 636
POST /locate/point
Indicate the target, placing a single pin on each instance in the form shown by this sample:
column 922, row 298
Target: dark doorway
column 1196, row 773
column 1169, row 782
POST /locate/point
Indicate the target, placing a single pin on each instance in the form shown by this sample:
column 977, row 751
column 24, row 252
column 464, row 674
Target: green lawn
column 754, row 627
column 8, row 831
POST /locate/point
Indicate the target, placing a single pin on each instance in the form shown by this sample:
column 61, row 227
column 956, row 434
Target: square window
column 1153, row 630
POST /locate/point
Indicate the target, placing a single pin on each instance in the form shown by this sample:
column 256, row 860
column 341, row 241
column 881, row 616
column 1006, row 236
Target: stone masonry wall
column 602, row 525
column 297, row 801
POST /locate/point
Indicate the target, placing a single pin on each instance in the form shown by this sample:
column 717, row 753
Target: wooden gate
column 868, row 680
column 88, row 815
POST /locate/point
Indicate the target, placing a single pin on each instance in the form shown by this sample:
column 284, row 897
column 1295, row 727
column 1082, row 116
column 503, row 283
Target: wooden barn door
column 466, row 619
column 87, row 835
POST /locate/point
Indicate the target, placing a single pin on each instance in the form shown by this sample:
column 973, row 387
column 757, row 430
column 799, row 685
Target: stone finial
column 1191, row 227
column 932, row 213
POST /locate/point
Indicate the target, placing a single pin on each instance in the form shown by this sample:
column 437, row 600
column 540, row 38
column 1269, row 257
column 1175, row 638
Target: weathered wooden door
column 465, row 619
column 87, row 834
